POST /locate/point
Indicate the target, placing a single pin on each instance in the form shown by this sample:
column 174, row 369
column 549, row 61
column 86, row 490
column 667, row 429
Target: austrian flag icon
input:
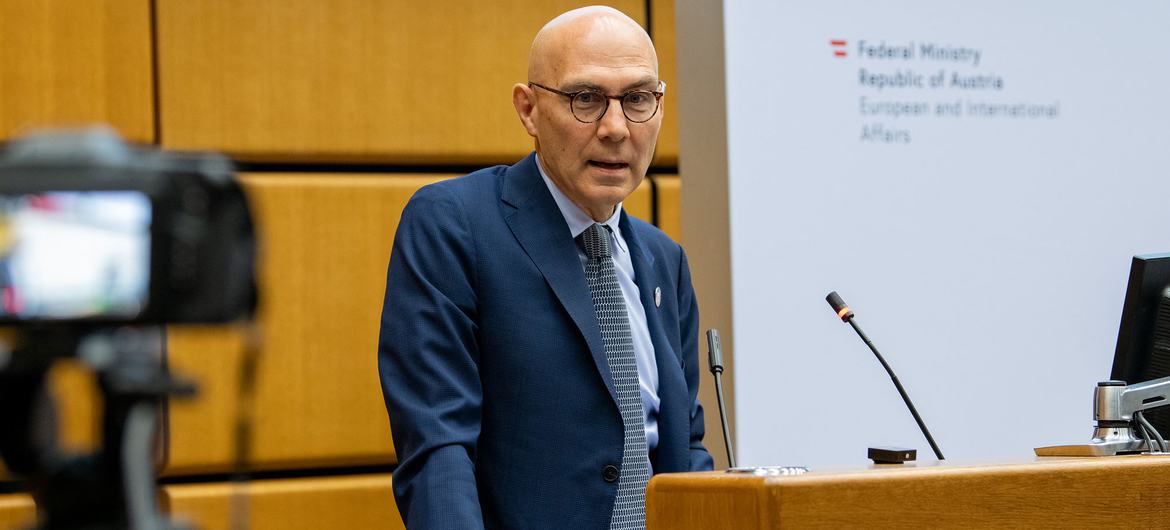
column 838, row 46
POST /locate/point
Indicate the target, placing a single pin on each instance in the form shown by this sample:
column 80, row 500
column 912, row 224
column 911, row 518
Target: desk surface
column 1048, row 492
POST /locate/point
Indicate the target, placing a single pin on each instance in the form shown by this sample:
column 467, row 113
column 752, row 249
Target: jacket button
column 610, row 473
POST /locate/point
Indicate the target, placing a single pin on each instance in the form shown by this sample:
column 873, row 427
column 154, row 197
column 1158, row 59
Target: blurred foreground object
column 101, row 243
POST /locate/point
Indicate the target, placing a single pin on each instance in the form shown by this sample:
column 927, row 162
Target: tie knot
column 596, row 241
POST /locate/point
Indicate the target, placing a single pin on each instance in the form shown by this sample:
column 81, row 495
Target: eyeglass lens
column 638, row 106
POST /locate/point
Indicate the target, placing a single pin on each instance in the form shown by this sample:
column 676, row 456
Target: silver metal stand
column 1114, row 405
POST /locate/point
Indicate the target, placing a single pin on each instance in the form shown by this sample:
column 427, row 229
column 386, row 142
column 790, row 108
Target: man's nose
column 613, row 125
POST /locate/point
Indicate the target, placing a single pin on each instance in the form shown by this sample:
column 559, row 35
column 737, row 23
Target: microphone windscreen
column 835, row 300
column 839, row 306
column 714, row 350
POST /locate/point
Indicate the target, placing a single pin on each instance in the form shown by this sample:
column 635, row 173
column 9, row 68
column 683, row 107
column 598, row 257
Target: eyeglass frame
column 573, row 95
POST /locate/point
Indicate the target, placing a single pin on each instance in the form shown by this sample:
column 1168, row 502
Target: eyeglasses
column 590, row 105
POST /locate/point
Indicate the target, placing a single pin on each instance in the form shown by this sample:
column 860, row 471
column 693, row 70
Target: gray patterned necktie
column 629, row 509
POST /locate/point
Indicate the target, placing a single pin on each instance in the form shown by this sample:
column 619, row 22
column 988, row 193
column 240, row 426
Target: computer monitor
column 1143, row 342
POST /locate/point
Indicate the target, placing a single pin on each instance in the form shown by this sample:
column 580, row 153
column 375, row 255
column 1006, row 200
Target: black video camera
column 97, row 232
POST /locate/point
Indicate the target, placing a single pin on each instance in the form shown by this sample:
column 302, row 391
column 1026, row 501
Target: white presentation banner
column 973, row 179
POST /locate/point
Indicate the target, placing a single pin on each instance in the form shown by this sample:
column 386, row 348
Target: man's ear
column 524, row 99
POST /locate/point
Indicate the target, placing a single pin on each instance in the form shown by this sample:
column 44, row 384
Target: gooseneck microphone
column 715, row 359
column 846, row 315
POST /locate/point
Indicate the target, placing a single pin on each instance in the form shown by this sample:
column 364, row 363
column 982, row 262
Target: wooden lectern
column 1121, row 491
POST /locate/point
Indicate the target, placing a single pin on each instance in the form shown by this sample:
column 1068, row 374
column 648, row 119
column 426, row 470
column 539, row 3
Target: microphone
column 846, row 315
column 715, row 360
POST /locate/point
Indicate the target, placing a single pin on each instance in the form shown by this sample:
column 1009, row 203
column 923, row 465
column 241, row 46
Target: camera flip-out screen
column 68, row 255
column 95, row 232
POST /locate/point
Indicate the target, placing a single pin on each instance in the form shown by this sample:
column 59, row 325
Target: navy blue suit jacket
column 501, row 403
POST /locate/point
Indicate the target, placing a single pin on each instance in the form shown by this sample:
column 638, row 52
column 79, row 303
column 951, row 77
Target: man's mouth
column 608, row 165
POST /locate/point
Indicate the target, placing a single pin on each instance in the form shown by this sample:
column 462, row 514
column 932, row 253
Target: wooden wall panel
column 396, row 81
column 325, row 243
column 662, row 30
column 69, row 63
column 74, row 389
column 361, row 501
column 17, row 510
column 667, row 192
column 639, row 203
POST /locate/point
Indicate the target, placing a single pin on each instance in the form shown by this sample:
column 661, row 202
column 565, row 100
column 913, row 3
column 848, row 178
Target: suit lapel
column 539, row 226
column 672, row 414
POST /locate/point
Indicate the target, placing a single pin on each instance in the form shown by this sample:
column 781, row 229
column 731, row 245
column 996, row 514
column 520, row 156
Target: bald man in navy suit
column 503, row 403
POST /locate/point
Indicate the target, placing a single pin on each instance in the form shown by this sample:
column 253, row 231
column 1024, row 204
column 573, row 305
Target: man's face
column 596, row 164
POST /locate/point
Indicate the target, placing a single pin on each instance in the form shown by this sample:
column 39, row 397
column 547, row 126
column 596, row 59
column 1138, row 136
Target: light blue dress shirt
column 578, row 221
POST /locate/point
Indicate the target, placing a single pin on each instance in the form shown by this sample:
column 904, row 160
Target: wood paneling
column 669, row 214
column 639, row 203
column 68, row 63
column 359, row 501
column 662, row 30
column 17, row 511
column 74, row 389
column 363, row 501
column 1061, row 493
column 325, row 244
column 394, row 81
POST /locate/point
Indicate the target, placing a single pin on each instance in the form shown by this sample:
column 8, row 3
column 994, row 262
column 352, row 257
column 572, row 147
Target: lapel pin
column 657, row 297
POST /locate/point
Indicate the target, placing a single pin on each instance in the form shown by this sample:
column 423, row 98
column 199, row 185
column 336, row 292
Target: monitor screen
column 1143, row 342
column 70, row 255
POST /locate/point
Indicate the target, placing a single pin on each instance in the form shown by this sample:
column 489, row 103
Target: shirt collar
column 576, row 218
